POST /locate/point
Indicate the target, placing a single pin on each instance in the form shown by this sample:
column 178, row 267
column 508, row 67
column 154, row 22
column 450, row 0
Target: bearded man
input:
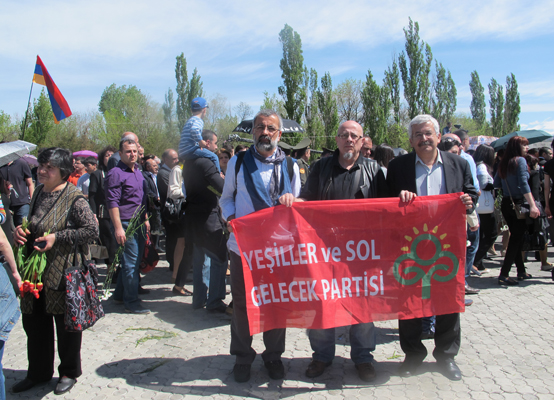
column 258, row 178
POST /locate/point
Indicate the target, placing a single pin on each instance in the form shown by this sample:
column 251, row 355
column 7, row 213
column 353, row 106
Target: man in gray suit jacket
column 427, row 172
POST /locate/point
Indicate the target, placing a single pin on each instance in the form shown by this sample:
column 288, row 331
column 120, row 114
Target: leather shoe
column 316, row 368
column 220, row 308
column 64, row 385
column 25, row 385
column 138, row 310
column 450, row 370
column 408, row 368
column 366, row 372
column 241, row 372
column 275, row 369
column 471, row 290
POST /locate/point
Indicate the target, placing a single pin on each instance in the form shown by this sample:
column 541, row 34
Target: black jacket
column 372, row 180
column 457, row 175
column 198, row 175
column 96, row 197
column 163, row 183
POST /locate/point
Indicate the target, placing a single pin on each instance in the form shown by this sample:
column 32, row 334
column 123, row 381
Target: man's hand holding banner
column 325, row 264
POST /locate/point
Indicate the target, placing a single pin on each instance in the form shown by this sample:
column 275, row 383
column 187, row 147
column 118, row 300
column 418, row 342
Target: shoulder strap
column 290, row 167
column 240, row 157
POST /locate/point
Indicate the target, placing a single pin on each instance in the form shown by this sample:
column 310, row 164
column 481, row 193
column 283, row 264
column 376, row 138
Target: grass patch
column 163, row 334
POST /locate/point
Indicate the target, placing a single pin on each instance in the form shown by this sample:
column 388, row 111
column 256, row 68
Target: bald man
column 338, row 178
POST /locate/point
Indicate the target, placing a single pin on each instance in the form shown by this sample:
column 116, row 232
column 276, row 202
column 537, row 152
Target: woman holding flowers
column 59, row 215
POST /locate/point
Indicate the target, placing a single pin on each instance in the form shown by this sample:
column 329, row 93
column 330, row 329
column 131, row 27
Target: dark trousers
column 489, row 233
column 107, row 238
column 172, row 232
column 39, row 327
column 186, row 260
column 447, row 338
column 517, row 229
column 241, row 340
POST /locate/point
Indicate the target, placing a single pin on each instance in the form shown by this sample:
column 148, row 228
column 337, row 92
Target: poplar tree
column 377, row 104
column 168, row 108
column 511, row 107
column 452, row 93
column 314, row 125
column 392, row 80
column 181, row 75
column 440, row 91
column 292, row 67
column 186, row 90
column 478, row 105
column 496, row 103
column 327, row 105
column 415, row 65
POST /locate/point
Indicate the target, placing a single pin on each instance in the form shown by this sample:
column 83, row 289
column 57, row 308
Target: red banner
column 324, row 264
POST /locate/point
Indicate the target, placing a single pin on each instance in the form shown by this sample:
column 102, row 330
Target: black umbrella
column 532, row 135
column 288, row 126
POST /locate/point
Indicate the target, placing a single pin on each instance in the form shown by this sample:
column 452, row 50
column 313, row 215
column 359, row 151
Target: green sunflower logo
column 416, row 272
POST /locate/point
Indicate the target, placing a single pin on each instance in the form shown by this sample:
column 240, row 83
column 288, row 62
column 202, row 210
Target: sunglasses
column 451, row 140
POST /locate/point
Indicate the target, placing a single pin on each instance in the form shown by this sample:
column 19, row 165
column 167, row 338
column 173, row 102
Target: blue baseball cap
column 198, row 104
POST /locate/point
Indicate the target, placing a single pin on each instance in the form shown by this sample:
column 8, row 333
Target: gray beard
column 265, row 147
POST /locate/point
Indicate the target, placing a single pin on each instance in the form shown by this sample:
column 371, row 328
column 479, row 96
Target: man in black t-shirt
column 18, row 174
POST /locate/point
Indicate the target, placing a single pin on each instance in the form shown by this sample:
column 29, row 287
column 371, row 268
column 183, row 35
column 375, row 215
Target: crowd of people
column 122, row 198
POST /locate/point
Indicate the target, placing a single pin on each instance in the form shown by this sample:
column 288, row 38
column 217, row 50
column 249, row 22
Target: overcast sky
column 87, row 46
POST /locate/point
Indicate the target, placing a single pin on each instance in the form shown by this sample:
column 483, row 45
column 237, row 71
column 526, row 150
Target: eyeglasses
column 270, row 128
column 421, row 135
column 345, row 136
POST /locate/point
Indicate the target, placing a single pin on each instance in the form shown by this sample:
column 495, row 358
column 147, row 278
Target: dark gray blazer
column 457, row 174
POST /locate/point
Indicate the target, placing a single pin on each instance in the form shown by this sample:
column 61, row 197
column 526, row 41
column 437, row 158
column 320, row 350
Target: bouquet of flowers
column 30, row 266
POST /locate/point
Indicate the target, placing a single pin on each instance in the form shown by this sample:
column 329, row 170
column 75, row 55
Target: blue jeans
column 19, row 212
column 428, row 324
column 213, row 297
column 471, row 250
column 362, row 343
column 128, row 279
column 205, row 153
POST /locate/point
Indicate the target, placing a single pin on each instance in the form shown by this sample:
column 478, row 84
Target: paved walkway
column 177, row 352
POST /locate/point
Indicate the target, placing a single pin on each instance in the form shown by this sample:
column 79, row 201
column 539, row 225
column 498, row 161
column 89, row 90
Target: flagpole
column 27, row 111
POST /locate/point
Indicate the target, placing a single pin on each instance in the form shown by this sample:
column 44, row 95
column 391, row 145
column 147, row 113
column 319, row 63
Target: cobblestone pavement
column 177, row 352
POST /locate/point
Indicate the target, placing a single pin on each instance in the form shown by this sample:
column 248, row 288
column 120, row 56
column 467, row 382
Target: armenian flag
column 59, row 105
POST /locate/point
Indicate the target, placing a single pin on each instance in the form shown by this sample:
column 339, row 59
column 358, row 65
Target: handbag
column 98, row 252
column 534, row 241
column 521, row 210
column 485, row 205
column 173, row 208
column 150, row 258
column 82, row 305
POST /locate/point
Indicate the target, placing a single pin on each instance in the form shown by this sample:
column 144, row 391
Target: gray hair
column 127, row 139
column 267, row 113
column 422, row 119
